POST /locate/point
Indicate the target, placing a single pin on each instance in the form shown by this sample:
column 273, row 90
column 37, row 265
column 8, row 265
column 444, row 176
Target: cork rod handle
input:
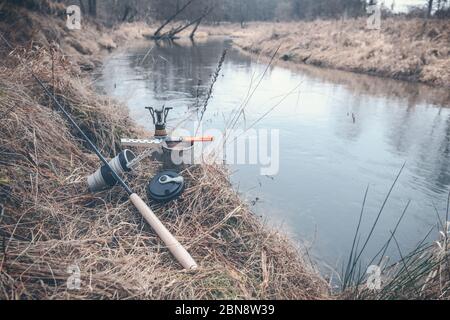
column 178, row 251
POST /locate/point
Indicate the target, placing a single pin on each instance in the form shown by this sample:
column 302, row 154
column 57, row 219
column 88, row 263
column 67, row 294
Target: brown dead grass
column 84, row 48
column 409, row 49
column 49, row 221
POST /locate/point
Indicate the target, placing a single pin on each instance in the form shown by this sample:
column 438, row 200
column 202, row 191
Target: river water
column 338, row 133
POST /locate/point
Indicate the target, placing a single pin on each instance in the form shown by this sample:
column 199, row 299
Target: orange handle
column 198, row 139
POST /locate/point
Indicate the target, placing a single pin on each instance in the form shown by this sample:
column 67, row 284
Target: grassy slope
column 403, row 49
column 49, row 221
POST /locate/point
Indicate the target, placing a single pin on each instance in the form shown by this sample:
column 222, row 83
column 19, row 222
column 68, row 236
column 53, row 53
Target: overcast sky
column 402, row 5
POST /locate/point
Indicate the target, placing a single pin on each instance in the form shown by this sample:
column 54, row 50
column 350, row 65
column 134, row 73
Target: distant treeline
column 241, row 11
column 224, row 10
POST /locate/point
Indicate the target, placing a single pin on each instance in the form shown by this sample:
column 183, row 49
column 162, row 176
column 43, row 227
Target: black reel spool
column 162, row 192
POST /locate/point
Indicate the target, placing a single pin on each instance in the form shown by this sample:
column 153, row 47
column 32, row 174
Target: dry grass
column 408, row 49
column 49, row 221
column 423, row 273
column 84, row 48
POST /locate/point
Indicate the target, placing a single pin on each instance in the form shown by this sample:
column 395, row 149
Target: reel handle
column 198, row 139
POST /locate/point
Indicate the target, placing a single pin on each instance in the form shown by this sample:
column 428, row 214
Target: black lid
column 164, row 192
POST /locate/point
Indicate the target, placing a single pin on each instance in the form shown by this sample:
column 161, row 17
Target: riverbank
column 406, row 49
column 52, row 228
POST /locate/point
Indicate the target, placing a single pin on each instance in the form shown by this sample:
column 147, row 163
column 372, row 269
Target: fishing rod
column 177, row 250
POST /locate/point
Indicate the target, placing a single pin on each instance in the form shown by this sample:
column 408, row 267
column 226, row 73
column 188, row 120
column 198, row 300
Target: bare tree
column 172, row 17
column 82, row 7
column 430, row 8
column 92, row 7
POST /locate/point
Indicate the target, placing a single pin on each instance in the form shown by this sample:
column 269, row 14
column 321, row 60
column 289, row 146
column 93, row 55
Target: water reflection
column 377, row 86
column 339, row 132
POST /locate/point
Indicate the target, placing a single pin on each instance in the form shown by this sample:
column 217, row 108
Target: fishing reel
column 169, row 184
column 103, row 177
column 159, row 117
column 164, row 187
